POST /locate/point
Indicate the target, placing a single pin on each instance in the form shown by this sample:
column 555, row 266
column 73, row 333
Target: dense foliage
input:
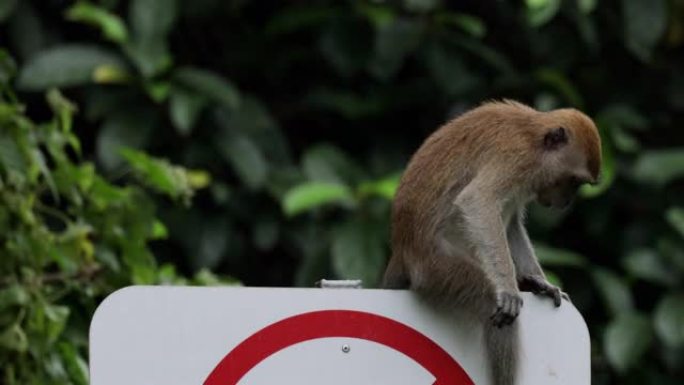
column 68, row 237
column 305, row 114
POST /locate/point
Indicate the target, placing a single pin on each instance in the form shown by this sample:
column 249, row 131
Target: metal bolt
column 345, row 348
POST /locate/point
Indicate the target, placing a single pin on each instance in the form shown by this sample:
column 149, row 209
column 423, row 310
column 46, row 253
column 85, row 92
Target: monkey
column 457, row 230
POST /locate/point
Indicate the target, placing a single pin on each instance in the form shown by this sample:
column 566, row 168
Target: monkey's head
column 571, row 156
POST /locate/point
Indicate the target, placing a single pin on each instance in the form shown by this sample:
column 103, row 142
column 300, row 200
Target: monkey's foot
column 508, row 306
column 539, row 285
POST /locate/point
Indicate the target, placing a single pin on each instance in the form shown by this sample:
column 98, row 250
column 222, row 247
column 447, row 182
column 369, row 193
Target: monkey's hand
column 539, row 285
column 508, row 304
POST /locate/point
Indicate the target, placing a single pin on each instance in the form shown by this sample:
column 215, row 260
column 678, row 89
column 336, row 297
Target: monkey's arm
column 486, row 233
column 529, row 274
column 521, row 248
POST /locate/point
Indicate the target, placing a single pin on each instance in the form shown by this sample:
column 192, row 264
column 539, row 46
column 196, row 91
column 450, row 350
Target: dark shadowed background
column 216, row 142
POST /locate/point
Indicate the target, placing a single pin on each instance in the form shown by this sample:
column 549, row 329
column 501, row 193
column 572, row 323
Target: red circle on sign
column 338, row 323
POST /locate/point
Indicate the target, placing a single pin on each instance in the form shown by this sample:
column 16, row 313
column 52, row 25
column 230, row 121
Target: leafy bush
column 68, row 237
column 257, row 94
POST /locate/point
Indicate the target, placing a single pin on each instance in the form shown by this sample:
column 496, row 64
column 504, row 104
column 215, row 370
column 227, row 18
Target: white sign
column 264, row 336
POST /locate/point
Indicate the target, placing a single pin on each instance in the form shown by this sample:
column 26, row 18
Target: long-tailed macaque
column 458, row 235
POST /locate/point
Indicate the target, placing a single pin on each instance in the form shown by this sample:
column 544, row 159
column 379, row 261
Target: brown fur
column 457, row 234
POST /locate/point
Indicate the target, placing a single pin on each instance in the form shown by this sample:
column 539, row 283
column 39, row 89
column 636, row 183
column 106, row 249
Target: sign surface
column 258, row 336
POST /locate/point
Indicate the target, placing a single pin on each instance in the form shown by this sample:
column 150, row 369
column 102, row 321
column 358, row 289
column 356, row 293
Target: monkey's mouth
column 555, row 204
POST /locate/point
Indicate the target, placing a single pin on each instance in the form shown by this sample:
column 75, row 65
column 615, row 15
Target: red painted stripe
column 338, row 323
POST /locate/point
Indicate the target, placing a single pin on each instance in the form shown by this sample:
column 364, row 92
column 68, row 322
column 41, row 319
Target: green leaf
column 487, row 55
column 310, row 195
column 28, row 31
column 56, row 317
column 624, row 141
column 587, row 6
column 614, row 291
column 626, row 339
column 211, row 242
column 350, row 105
column 327, row 163
column 158, row 173
column 385, row 187
column 14, row 339
column 151, row 21
column 393, row 43
column 13, row 295
column 7, row 8
column 344, row 43
column 11, row 155
column 659, row 167
column 644, row 21
column 551, row 256
column 553, row 279
column 540, row 12
column 247, row 160
column 647, row 265
column 669, row 320
column 472, row 25
column 185, row 108
column 298, row 17
column 447, row 67
column 74, row 364
column 204, row 277
column 112, row 27
column 198, row 179
column 108, row 258
column 379, row 15
column 8, row 67
column 130, row 128
column 675, row 217
column 620, row 114
column 265, row 234
column 106, row 74
column 208, row 84
column 420, row 6
column 253, row 120
column 357, row 252
column 158, row 90
column 159, row 230
column 562, row 85
column 672, row 250
column 65, row 66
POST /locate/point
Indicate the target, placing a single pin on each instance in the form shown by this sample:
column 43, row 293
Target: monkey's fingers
column 499, row 316
column 496, row 318
column 565, row 296
column 556, row 297
column 507, row 311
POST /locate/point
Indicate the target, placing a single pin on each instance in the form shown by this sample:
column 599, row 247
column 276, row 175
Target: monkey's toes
column 539, row 285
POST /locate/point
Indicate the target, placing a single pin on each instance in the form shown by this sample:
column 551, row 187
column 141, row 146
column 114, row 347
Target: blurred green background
column 215, row 142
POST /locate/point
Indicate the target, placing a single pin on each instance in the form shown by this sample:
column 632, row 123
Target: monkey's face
column 559, row 194
column 567, row 165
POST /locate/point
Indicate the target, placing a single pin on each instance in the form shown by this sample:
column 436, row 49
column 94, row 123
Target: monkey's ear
column 555, row 138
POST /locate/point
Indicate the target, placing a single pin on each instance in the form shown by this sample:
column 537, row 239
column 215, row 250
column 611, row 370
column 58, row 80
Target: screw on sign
column 338, row 323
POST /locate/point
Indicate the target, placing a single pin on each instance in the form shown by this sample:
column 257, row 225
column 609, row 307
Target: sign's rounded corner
column 113, row 297
column 581, row 322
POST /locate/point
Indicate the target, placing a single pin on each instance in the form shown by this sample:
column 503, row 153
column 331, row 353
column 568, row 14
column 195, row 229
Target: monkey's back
column 447, row 161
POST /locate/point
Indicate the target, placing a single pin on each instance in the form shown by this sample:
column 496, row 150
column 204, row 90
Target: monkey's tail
column 502, row 351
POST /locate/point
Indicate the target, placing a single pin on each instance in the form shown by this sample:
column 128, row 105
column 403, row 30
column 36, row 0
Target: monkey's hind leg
column 395, row 276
